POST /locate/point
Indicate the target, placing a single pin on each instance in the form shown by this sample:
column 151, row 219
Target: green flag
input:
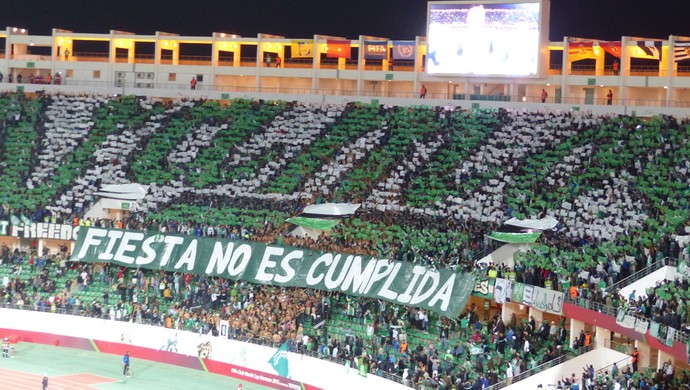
column 314, row 223
column 362, row 369
column 517, row 238
column 279, row 361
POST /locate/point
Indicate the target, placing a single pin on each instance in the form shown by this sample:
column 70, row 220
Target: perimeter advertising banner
column 442, row 291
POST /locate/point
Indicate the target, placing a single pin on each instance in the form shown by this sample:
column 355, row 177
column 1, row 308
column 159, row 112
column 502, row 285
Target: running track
column 17, row 380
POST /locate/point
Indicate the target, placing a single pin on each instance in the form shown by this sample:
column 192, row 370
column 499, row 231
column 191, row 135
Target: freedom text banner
column 442, row 291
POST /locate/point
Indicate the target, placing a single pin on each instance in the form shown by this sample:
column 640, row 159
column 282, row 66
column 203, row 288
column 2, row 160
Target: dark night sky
column 395, row 19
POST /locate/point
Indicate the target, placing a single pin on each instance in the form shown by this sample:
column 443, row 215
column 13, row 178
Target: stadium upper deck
column 637, row 71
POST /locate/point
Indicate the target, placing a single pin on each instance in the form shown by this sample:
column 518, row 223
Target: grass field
column 69, row 368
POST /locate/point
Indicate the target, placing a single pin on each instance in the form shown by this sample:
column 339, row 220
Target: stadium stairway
column 637, row 275
column 550, row 377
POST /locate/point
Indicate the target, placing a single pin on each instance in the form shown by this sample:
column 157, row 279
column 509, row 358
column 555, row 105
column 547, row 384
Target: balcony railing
column 221, row 87
column 642, row 273
column 553, row 363
column 680, row 336
column 332, row 63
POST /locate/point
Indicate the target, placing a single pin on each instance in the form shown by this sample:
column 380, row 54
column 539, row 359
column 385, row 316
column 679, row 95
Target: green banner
column 442, row 291
column 517, row 238
column 314, row 223
column 518, row 292
column 484, row 288
column 362, row 369
column 279, row 361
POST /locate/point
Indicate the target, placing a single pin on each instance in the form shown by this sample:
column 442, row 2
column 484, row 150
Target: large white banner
column 641, row 326
column 625, row 320
column 501, row 290
column 527, row 295
column 547, row 300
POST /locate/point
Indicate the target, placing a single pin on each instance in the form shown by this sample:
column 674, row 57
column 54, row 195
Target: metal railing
column 151, row 85
column 570, row 354
column 679, row 335
column 640, row 274
column 620, row 347
column 490, row 248
column 620, row 364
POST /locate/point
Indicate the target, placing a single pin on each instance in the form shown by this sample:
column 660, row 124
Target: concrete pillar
column 565, row 72
column 599, row 66
column 624, row 70
column 669, row 66
column 575, row 328
column 645, row 355
column 237, row 54
column 510, row 308
column 602, row 337
column 316, row 62
column 666, row 54
column 664, row 357
column 537, row 314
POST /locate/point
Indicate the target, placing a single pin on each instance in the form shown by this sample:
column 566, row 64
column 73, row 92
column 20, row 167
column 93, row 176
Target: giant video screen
column 484, row 39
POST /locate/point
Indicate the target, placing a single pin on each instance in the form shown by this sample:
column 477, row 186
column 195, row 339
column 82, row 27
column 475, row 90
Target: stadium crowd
column 424, row 349
column 437, row 183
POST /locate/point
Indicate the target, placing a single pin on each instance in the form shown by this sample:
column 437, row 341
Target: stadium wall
column 643, row 111
column 232, row 358
column 593, row 317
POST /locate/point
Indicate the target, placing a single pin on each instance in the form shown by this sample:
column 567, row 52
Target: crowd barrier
column 241, row 360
